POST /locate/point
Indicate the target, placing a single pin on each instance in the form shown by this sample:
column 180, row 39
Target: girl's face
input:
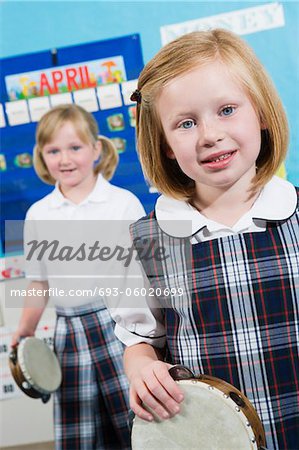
column 211, row 127
column 69, row 160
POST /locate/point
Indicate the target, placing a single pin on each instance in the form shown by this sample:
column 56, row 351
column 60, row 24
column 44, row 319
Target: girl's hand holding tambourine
column 153, row 391
column 21, row 332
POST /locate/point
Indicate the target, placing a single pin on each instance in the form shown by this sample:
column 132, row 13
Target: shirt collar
column 99, row 194
column 277, row 201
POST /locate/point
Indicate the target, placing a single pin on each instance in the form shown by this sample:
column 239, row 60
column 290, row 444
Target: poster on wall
column 100, row 77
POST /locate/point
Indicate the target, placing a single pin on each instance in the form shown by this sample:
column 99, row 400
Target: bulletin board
column 100, row 76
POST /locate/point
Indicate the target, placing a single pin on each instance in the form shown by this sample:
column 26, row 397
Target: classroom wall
column 39, row 25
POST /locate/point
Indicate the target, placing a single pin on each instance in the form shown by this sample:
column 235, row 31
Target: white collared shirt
column 277, row 201
column 107, row 213
column 105, row 201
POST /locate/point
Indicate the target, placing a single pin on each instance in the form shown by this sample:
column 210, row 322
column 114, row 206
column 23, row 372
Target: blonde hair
column 87, row 129
column 181, row 56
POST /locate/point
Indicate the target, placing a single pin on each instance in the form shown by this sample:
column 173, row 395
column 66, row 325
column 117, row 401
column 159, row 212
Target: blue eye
column 227, row 111
column 53, row 151
column 187, row 124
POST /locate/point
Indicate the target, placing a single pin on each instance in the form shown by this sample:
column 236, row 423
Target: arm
column 150, row 383
column 33, row 309
column 140, row 325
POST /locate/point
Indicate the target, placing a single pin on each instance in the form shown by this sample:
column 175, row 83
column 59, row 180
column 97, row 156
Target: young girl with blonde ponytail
column 90, row 407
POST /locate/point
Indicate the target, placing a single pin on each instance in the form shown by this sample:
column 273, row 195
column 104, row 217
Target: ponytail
column 108, row 160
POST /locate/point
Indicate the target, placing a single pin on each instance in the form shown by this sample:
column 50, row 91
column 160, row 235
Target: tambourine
column 214, row 416
column 35, row 368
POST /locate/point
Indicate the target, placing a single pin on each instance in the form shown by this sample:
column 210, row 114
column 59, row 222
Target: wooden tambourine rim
column 19, row 375
column 241, row 401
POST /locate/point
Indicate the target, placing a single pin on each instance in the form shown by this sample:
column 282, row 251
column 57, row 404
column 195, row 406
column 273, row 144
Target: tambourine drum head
column 208, row 420
column 39, row 365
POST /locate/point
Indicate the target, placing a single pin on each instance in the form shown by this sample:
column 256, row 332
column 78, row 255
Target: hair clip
column 136, row 96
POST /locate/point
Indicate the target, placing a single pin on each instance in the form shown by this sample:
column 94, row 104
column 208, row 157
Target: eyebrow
column 78, row 142
column 49, row 146
column 180, row 115
column 221, row 100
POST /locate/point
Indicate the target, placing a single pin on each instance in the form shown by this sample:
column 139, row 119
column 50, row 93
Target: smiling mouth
column 67, row 170
column 219, row 158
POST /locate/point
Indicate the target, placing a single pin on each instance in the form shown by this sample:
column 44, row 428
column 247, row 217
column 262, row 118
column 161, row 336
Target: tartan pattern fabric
column 91, row 406
column 238, row 317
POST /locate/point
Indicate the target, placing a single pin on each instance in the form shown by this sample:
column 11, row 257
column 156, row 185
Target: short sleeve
column 139, row 318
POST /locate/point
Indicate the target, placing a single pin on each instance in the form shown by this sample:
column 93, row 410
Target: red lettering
column 89, row 82
column 70, row 77
column 44, row 84
column 57, row 78
column 82, row 77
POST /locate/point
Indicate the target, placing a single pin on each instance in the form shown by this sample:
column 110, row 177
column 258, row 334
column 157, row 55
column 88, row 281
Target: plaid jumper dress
column 238, row 316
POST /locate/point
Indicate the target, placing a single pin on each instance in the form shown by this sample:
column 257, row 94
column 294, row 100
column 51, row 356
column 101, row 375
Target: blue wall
column 40, row 25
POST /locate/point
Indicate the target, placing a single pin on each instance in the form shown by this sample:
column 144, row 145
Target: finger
column 171, row 387
column 137, row 408
column 150, row 402
column 162, row 395
column 15, row 341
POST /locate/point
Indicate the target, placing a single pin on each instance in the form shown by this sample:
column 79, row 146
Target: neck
column 76, row 194
column 225, row 206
